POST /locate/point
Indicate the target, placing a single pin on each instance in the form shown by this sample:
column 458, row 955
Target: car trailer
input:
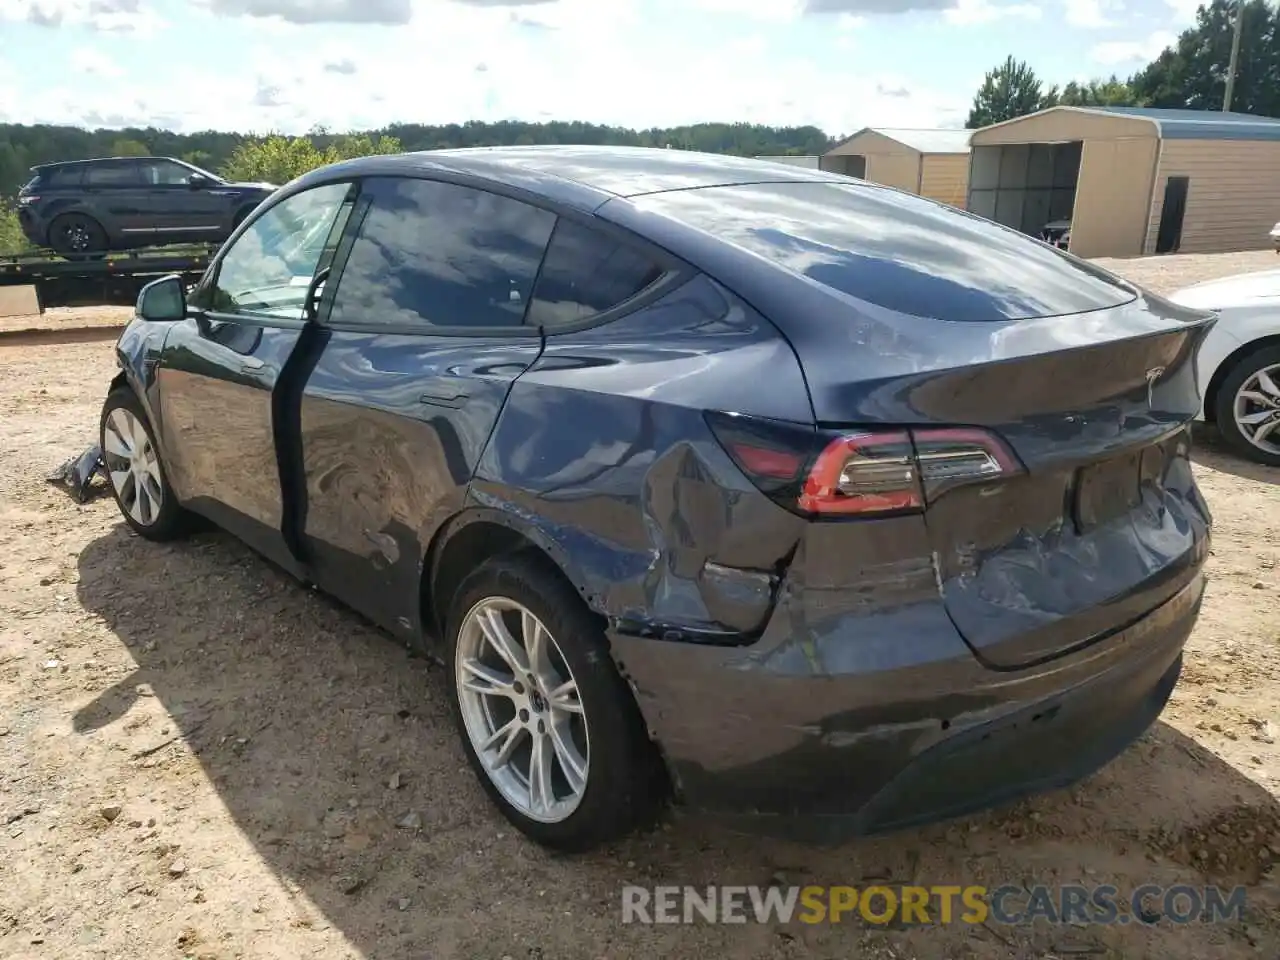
column 110, row 280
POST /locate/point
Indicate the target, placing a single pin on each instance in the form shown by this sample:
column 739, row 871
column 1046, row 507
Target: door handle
column 444, row 397
column 251, row 365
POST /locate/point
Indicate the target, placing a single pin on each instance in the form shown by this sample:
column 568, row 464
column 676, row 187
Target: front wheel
column 1248, row 406
column 137, row 476
column 549, row 726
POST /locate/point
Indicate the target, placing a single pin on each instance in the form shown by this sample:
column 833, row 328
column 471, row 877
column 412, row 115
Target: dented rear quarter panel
column 602, row 454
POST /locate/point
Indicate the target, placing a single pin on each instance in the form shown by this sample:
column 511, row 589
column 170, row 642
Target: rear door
column 425, row 335
column 221, row 367
column 117, row 197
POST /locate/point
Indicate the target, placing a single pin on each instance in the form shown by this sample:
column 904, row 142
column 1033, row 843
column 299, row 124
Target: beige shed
column 1129, row 181
column 932, row 163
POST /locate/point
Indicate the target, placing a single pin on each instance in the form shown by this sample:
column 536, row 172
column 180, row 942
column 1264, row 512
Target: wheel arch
column 474, row 536
column 79, row 212
column 1228, row 364
column 133, row 376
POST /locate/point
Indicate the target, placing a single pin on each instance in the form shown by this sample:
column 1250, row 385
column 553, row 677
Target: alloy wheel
column 521, row 709
column 133, row 466
column 1257, row 409
column 76, row 237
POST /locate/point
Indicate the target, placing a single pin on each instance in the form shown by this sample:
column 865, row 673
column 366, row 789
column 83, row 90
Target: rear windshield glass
column 896, row 250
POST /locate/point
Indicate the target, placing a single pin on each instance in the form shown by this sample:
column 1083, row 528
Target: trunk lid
column 1105, row 522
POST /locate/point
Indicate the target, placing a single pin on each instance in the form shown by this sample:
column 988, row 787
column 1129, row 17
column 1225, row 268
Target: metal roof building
column 932, row 163
column 809, row 161
column 1132, row 180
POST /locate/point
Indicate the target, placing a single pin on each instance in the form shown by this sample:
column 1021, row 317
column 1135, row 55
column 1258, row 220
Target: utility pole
column 1235, row 57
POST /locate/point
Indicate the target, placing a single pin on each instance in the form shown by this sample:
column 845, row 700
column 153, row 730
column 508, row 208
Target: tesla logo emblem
column 1153, row 375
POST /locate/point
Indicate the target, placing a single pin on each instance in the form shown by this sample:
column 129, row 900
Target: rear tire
column 1243, row 394
column 77, row 236
column 134, row 470
column 603, row 777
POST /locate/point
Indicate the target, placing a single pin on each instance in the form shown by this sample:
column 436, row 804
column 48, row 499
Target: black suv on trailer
column 118, row 203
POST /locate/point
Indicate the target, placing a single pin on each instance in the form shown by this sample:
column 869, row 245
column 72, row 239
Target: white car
column 1239, row 362
column 1058, row 233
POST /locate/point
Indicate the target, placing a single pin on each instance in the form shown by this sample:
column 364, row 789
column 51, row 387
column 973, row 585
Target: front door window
column 269, row 267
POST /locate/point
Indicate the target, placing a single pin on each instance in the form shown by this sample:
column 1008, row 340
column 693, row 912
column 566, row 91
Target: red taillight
column 863, row 473
column 868, row 473
column 764, row 462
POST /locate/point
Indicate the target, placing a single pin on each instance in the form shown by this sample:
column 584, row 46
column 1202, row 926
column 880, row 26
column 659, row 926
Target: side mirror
column 163, row 300
column 198, row 181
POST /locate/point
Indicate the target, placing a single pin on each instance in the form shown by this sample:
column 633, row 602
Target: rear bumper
column 824, row 757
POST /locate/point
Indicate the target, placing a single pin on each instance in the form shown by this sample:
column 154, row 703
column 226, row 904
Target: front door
column 425, row 337
column 221, row 368
column 180, row 211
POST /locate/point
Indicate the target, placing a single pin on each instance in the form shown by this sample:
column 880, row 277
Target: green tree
column 1010, row 90
column 23, row 146
column 11, row 238
column 199, row 158
column 125, row 147
column 275, row 159
column 279, row 159
column 361, row 145
column 1112, row 92
column 1192, row 73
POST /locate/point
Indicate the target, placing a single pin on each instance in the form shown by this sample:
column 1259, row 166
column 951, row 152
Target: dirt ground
column 45, row 327
column 196, row 759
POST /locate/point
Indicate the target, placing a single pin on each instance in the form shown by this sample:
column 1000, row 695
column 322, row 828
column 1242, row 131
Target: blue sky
column 290, row 64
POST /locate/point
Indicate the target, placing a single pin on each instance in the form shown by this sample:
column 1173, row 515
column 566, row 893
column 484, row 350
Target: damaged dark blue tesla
column 798, row 497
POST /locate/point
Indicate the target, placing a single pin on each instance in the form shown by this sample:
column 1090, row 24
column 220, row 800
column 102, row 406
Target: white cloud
column 11, row 94
column 113, row 16
column 1091, row 14
column 292, row 99
column 94, row 63
column 1116, row 52
column 752, row 46
column 969, row 12
column 390, row 12
column 1184, row 11
column 878, row 6
column 774, row 10
column 455, row 61
column 956, row 11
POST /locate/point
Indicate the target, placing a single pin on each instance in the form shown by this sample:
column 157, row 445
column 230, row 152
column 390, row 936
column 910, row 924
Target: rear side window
column 587, row 272
column 440, row 255
column 896, row 250
column 124, row 174
column 56, row 177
